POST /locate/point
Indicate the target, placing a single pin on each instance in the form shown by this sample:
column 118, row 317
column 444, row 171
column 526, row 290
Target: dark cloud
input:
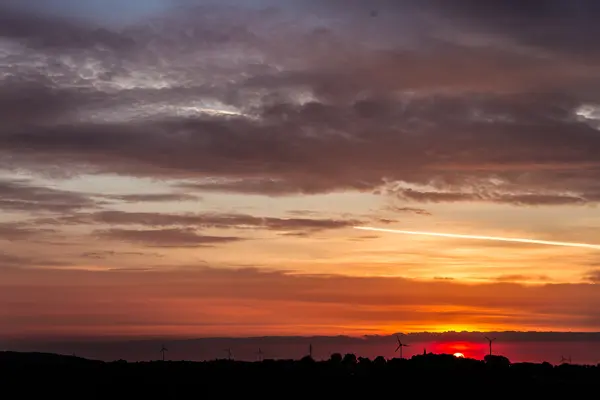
column 165, row 237
column 153, row 197
column 522, row 278
column 9, row 260
column 520, row 199
column 593, row 276
column 25, row 261
column 364, row 237
column 201, row 220
column 11, row 231
column 50, row 31
column 103, row 255
column 412, row 210
column 345, row 104
column 22, row 195
column 557, row 24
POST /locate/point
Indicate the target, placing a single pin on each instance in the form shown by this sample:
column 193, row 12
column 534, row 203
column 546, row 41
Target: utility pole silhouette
column 400, row 346
column 163, row 350
column 229, row 354
column 490, row 341
column 310, row 351
column 260, row 354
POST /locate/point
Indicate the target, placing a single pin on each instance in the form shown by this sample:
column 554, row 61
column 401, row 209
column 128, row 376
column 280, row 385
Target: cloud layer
column 211, row 302
column 336, row 100
column 190, row 131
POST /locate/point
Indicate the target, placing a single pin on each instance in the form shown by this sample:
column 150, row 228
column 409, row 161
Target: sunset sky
column 193, row 168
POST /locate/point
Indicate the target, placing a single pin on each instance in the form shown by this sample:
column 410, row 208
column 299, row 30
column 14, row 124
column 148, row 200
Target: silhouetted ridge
column 342, row 373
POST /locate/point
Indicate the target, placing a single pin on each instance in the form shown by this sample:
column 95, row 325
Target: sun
column 459, row 355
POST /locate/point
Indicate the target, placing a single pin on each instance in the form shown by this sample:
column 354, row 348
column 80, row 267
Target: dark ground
column 23, row 375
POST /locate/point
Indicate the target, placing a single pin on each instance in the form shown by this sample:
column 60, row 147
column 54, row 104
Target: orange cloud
column 206, row 302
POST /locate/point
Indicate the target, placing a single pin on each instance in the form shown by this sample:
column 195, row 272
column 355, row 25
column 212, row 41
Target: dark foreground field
column 25, row 374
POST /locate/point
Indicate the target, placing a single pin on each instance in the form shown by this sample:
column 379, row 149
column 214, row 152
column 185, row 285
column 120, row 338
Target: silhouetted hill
column 35, row 359
column 347, row 374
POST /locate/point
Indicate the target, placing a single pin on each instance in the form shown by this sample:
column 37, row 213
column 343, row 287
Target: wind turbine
column 400, row 346
column 163, row 349
column 310, row 350
column 564, row 360
column 490, row 341
column 229, row 354
column 260, row 354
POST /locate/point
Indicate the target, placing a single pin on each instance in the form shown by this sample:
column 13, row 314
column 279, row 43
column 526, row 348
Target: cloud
column 153, row 197
column 482, row 196
column 12, row 231
column 47, row 31
column 202, row 220
column 522, row 278
column 21, row 195
column 13, row 261
column 102, row 255
column 167, row 302
column 412, row 210
column 593, row 276
column 165, row 237
column 326, row 105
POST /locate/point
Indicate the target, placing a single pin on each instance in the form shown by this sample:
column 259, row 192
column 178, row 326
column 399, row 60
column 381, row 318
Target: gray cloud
column 21, row 195
column 593, row 276
column 103, row 255
column 50, row 31
column 521, row 278
column 341, row 104
column 202, row 220
column 516, row 199
column 165, row 237
column 8, row 260
column 18, row 231
column 412, row 210
column 153, row 197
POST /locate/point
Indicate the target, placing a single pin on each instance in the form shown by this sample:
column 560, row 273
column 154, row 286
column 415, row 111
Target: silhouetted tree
column 336, row 358
column 364, row 361
column 379, row 360
column 497, row 361
column 307, row 360
column 349, row 359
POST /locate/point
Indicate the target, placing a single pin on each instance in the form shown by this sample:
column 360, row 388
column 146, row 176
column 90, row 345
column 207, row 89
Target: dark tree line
column 345, row 375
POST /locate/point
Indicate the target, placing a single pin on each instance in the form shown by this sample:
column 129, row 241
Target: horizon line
column 179, row 338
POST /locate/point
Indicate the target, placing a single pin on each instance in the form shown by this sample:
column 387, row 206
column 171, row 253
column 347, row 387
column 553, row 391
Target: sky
column 188, row 168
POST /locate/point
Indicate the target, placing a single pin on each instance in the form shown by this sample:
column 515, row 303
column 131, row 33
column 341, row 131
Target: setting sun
column 459, row 355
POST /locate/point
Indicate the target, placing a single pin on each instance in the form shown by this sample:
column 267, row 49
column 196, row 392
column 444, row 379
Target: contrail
column 476, row 237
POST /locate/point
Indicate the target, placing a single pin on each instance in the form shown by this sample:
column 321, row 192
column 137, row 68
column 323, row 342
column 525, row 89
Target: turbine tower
column 490, row 341
column 229, row 354
column 310, row 350
column 260, row 354
column 163, row 350
column 400, row 346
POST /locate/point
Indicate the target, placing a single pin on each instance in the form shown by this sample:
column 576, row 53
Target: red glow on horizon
column 468, row 349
